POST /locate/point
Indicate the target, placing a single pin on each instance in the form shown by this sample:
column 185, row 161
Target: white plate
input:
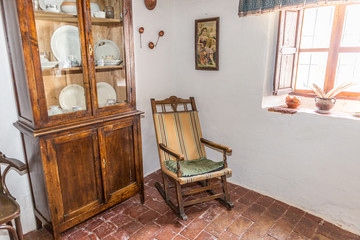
column 72, row 95
column 105, row 48
column 65, row 42
column 43, row 3
column 112, row 62
column 104, row 92
column 48, row 65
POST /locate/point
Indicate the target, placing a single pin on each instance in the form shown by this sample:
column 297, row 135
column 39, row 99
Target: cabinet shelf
column 63, row 17
column 79, row 69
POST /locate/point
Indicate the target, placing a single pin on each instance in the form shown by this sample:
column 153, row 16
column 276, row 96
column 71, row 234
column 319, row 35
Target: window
column 318, row 45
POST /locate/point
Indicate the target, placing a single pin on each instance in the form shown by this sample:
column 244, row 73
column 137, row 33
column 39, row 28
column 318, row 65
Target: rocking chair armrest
column 13, row 163
column 215, row 145
column 178, row 156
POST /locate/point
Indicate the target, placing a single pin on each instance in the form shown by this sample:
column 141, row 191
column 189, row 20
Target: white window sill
column 342, row 108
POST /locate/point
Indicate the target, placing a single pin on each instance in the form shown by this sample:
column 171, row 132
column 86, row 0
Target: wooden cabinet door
column 74, row 174
column 119, row 158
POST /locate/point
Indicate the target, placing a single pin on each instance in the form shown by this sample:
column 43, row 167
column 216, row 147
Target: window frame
column 333, row 53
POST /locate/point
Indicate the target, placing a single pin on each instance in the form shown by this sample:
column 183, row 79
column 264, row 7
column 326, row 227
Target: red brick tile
column 105, row 229
column 254, row 212
column 231, row 186
column 293, row 215
column 239, row 226
column 306, row 227
column 166, row 218
column 228, row 236
column 332, row 231
column 165, row 234
column 250, row 198
column 146, row 232
column 120, row 234
column 219, row 225
column 265, row 201
column 148, row 216
column 250, row 236
column 157, row 204
column 92, row 236
column 205, row 236
column 94, row 223
column 193, row 229
column 276, row 210
column 132, row 227
column 312, row 217
column 137, row 210
column 238, row 193
column 267, row 237
column 179, row 237
column 281, row 230
column 176, row 226
column 77, row 235
column 120, row 220
column 318, row 236
column 239, row 207
column 262, row 225
column 295, row 236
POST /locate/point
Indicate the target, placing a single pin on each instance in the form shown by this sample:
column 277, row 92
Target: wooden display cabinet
column 74, row 80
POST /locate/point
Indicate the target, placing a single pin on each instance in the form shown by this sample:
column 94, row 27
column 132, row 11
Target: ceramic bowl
column 69, row 8
column 293, row 104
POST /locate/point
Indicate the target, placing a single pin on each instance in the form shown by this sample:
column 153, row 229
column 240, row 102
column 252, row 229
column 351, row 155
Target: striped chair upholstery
column 181, row 132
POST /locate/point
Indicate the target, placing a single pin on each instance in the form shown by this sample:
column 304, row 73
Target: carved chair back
column 10, row 163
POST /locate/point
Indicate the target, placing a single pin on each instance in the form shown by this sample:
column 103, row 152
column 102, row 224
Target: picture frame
column 207, row 44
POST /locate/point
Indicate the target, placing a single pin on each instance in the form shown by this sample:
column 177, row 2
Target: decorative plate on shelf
column 104, row 92
column 72, row 95
column 112, row 62
column 104, row 49
column 66, row 42
column 43, row 3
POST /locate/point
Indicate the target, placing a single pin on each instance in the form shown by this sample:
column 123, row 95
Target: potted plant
column 324, row 102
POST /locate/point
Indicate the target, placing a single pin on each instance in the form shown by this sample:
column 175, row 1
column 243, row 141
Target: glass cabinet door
column 109, row 52
column 62, row 57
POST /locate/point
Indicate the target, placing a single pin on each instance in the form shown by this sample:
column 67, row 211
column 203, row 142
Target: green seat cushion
column 194, row 167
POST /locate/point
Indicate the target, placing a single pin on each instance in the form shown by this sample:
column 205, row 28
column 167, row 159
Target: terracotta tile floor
column 254, row 217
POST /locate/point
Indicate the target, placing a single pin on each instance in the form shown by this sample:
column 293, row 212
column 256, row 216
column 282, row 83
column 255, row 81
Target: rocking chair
column 182, row 155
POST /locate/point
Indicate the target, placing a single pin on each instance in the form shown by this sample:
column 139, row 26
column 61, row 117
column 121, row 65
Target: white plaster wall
column 154, row 69
column 154, row 78
column 306, row 160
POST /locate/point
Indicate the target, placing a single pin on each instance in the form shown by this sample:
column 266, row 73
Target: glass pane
column 351, row 30
column 311, row 69
column 348, row 70
column 317, row 27
column 60, row 56
column 109, row 51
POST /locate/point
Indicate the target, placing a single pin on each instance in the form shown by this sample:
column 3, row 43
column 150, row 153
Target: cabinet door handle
column 90, row 49
column 104, row 163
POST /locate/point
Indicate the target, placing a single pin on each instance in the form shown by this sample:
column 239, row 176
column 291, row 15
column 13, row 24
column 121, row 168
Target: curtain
column 255, row 7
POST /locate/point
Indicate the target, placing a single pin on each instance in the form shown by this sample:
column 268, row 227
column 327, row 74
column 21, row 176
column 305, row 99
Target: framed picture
column 207, row 44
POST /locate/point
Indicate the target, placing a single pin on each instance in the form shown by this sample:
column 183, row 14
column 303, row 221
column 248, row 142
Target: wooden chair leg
column 19, row 228
column 226, row 193
column 166, row 187
column 11, row 230
column 11, row 236
column 180, row 201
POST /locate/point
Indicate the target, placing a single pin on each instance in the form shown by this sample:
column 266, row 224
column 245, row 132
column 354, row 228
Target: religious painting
column 207, row 44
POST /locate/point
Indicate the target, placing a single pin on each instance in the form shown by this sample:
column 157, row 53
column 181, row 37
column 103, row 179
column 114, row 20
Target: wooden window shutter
column 287, row 50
